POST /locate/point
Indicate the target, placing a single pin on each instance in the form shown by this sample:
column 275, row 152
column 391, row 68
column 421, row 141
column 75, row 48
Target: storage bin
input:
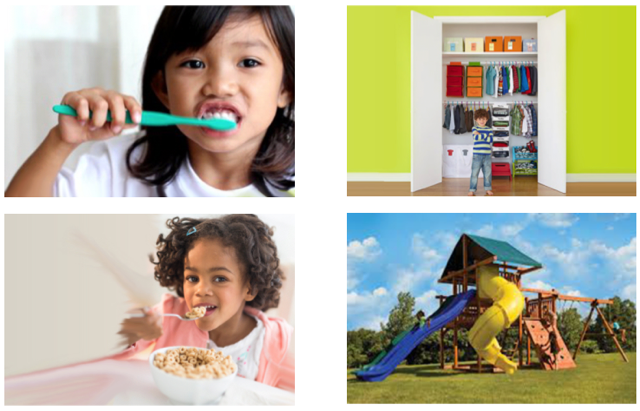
column 474, row 91
column 513, row 43
column 525, row 167
column 530, row 45
column 500, row 152
column 474, row 82
column 454, row 91
column 474, row 71
column 523, row 153
column 454, row 81
column 501, row 139
column 501, row 170
column 492, row 44
column 455, row 71
column 452, row 44
column 474, row 45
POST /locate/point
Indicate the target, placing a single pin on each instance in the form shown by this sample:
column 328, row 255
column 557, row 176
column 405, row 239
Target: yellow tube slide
column 508, row 303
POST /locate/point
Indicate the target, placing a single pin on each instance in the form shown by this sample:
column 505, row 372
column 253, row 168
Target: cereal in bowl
column 196, row 312
column 195, row 363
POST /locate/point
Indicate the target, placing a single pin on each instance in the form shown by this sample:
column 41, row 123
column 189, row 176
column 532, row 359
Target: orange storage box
column 474, row 71
column 455, row 71
column 474, row 81
column 512, row 43
column 493, row 44
column 474, row 92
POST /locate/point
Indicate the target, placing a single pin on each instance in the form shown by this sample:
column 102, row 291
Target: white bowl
column 187, row 390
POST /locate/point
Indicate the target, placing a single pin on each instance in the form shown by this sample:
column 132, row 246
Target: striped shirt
column 482, row 139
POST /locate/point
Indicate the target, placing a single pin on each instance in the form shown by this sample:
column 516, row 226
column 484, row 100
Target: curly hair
column 481, row 113
column 249, row 236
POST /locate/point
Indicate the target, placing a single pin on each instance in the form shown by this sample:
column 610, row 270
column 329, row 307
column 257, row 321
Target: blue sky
column 592, row 255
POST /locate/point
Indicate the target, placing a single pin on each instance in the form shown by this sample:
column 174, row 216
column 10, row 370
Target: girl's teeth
column 227, row 115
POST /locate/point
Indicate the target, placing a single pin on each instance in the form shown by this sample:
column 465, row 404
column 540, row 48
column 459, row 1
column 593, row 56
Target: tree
column 400, row 317
column 362, row 346
column 625, row 311
column 570, row 325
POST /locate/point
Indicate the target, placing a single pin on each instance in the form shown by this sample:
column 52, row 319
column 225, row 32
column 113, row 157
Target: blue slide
column 448, row 311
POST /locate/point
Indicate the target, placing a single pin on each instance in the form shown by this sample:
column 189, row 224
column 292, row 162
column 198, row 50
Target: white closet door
column 552, row 96
column 426, row 101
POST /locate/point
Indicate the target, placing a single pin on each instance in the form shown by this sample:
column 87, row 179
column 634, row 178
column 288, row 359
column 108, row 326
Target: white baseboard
column 571, row 178
column 383, row 177
column 601, row 178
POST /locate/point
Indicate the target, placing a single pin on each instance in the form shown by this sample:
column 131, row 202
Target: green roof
column 481, row 248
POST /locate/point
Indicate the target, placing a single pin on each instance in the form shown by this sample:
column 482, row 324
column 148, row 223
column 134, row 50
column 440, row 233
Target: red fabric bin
column 454, row 81
column 501, row 169
column 454, row 91
column 455, row 71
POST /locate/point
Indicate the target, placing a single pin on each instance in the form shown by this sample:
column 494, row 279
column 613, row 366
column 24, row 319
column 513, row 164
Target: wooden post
column 540, row 306
column 584, row 330
column 611, row 333
column 465, row 256
column 442, row 348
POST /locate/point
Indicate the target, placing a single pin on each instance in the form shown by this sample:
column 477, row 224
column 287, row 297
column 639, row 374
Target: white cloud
column 557, row 220
column 427, row 301
column 610, row 228
column 629, row 292
column 620, row 216
column 380, row 291
column 511, row 230
column 537, row 284
column 447, row 239
column 368, row 249
column 374, row 323
column 484, row 231
column 421, row 248
column 408, row 279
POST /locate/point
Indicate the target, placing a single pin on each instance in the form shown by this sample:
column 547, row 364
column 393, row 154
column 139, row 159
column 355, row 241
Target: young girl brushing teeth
column 217, row 61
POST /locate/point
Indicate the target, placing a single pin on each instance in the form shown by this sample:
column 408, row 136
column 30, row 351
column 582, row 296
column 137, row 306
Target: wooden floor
column 522, row 186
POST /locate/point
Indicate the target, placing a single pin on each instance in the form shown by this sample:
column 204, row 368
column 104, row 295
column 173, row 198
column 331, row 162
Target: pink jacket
column 276, row 367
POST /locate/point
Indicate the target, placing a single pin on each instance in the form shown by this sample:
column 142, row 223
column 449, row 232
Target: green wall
column 601, row 85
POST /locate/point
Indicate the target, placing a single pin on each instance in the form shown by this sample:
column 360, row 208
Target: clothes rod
column 497, row 63
column 487, row 102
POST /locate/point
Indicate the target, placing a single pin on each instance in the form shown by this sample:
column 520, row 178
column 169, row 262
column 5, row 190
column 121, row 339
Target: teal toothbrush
column 152, row 118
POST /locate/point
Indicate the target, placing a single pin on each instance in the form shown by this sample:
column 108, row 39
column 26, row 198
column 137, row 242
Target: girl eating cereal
column 229, row 266
column 236, row 63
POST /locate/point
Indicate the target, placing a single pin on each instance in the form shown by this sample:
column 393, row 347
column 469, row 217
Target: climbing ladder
column 539, row 333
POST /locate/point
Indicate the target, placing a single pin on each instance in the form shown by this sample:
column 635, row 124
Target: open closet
column 430, row 141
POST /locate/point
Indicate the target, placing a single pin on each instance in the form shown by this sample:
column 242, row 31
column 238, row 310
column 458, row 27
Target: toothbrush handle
column 149, row 118
column 70, row 111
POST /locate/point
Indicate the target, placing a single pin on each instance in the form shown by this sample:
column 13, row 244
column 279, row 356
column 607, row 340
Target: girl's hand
column 76, row 130
column 147, row 328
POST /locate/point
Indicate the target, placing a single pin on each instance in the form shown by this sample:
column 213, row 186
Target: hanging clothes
column 491, row 72
column 511, row 83
column 500, row 81
column 534, row 118
column 523, row 122
column 459, row 119
column 472, row 123
column 447, row 117
column 452, row 123
column 489, row 120
column 529, row 122
column 469, row 119
column 497, row 80
column 525, row 83
column 463, row 120
column 515, row 120
column 534, row 79
column 515, row 79
column 528, row 79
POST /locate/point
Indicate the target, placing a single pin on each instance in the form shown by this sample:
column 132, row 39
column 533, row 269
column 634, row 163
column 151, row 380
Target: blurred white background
column 51, row 50
column 69, row 280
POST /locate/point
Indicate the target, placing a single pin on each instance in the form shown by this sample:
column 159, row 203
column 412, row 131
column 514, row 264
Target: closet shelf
column 491, row 54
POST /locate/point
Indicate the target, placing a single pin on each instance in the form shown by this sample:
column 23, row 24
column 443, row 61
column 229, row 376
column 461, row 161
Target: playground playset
column 497, row 303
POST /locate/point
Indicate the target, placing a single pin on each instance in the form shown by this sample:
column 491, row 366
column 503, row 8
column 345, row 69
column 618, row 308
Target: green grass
column 598, row 378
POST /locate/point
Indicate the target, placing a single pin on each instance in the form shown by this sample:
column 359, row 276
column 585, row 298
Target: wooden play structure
column 537, row 326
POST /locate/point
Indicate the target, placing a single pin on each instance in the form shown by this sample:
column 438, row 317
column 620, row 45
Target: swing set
column 594, row 302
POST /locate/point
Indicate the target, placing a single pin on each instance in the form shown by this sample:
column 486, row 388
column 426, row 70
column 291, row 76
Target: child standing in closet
column 482, row 139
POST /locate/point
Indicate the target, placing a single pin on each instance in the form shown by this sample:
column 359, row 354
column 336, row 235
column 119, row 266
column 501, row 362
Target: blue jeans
column 479, row 161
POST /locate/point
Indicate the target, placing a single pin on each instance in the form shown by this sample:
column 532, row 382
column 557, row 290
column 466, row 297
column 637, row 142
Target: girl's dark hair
column 245, row 233
column 182, row 28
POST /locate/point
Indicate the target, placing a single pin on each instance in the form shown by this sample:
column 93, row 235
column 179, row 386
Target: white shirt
column 102, row 172
column 246, row 352
column 495, row 91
